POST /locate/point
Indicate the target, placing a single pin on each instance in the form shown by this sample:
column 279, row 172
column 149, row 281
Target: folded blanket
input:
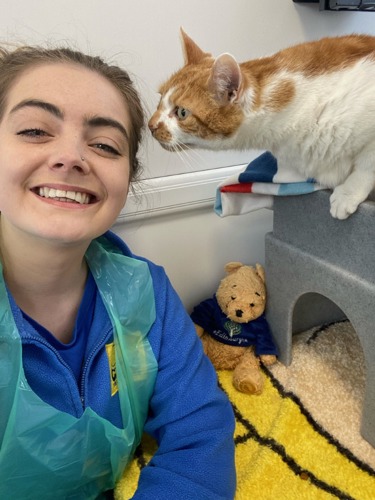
column 256, row 186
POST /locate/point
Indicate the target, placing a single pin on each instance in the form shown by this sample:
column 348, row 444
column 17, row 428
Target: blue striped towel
column 256, row 186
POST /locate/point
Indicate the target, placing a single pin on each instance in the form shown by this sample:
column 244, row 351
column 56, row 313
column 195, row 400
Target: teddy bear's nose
column 239, row 313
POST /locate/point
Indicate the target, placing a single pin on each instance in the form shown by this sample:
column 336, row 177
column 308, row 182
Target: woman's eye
column 182, row 113
column 33, row 132
column 107, row 149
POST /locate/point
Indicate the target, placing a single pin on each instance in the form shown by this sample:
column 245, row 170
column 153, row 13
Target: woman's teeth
column 61, row 195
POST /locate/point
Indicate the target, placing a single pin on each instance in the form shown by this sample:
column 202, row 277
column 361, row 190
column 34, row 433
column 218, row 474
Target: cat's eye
column 182, row 113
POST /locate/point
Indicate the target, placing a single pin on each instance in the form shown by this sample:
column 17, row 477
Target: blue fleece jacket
column 189, row 416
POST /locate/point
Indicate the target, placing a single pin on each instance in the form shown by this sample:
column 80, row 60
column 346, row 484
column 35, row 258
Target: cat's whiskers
column 190, row 157
column 184, row 157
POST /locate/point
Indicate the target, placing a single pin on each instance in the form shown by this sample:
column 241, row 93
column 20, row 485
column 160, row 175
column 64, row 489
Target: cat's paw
column 343, row 204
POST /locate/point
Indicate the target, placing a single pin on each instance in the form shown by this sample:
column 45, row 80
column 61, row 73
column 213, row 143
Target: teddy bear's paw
column 253, row 385
column 268, row 359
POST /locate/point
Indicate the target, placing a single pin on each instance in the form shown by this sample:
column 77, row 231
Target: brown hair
column 14, row 62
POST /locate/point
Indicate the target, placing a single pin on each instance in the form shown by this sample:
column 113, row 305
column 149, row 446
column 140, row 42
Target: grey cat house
column 318, row 270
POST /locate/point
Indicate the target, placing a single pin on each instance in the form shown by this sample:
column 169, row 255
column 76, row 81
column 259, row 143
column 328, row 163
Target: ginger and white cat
column 312, row 105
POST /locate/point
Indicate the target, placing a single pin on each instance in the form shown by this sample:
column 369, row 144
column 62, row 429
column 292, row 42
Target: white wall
column 194, row 245
column 186, row 237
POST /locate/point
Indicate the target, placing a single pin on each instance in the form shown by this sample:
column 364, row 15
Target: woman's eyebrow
column 36, row 103
column 103, row 121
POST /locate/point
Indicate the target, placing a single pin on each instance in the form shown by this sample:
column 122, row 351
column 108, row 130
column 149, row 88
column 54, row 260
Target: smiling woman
column 45, row 137
column 96, row 347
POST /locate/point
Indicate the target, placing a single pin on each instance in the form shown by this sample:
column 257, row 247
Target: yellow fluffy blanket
column 282, row 450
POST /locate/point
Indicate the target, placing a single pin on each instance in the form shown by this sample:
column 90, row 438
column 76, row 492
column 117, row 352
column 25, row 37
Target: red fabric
column 245, row 187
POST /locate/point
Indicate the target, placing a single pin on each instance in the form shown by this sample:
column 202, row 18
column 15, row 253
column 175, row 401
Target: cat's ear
column 225, row 80
column 192, row 53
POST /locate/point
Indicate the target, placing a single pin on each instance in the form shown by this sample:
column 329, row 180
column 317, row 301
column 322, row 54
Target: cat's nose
column 153, row 125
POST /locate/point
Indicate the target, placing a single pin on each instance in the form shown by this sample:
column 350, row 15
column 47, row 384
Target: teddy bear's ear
column 260, row 272
column 231, row 267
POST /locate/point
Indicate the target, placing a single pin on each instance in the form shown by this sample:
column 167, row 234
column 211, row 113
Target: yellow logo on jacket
column 111, row 354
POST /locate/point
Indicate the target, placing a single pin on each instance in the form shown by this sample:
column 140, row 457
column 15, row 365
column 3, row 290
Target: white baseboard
column 175, row 193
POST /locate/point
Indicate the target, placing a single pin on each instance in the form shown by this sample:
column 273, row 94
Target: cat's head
column 200, row 103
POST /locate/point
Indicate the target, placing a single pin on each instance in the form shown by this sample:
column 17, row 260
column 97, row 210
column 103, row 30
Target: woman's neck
column 46, row 280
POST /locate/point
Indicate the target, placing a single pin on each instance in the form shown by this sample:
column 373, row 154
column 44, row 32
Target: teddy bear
column 233, row 328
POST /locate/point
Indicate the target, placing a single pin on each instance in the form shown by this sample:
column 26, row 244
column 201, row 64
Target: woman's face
column 64, row 162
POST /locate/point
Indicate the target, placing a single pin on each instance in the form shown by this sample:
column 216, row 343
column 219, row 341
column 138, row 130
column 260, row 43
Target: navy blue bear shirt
column 256, row 332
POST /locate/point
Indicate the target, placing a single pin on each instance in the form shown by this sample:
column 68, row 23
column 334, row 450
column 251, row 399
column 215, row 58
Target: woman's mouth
column 65, row 196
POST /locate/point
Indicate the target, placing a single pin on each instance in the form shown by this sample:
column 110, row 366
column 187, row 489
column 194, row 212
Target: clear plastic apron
column 48, row 454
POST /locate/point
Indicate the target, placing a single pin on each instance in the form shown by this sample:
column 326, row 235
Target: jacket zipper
column 87, row 364
column 80, row 386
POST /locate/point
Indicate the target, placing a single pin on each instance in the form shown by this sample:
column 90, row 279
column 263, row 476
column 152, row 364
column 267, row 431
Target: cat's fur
column 311, row 105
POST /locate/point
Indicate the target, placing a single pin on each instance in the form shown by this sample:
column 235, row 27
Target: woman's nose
column 78, row 165
column 70, row 158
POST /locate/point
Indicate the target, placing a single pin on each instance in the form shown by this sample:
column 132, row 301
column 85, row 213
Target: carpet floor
column 299, row 439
